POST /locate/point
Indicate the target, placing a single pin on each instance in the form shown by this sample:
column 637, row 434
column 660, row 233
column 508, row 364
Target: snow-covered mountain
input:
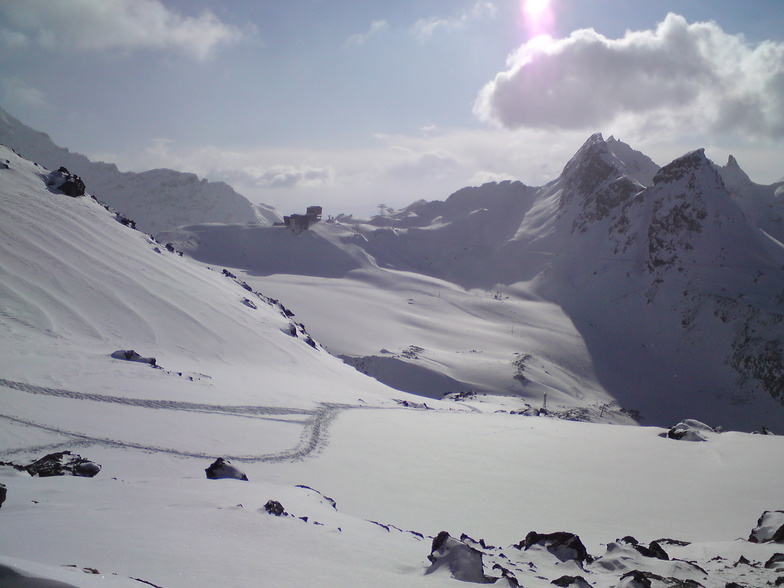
column 157, row 200
column 336, row 479
column 651, row 288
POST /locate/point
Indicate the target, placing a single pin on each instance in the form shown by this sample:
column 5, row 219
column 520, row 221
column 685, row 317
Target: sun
column 535, row 8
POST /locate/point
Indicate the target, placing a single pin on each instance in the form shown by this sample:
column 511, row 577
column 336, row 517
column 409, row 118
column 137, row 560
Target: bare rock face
column 563, row 545
column 770, row 528
column 63, row 463
column 222, row 468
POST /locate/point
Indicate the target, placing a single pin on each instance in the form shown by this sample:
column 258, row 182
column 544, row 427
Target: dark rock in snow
column 124, row 220
column 222, row 468
column 770, row 528
column 131, row 355
column 776, row 562
column 3, row 493
column 511, row 579
column 563, row 545
column 653, row 550
column 63, row 463
column 463, row 561
column 68, row 183
column 274, row 507
column 638, row 579
column 571, row 582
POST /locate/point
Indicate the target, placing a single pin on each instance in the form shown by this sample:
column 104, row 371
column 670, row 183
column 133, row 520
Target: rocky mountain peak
column 594, row 183
column 685, row 165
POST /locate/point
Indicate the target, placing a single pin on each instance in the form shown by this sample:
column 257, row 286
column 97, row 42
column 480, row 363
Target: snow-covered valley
column 369, row 475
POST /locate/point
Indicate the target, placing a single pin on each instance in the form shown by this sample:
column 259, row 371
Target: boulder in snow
column 131, row 355
column 274, row 507
column 770, row 528
column 68, row 183
column 222, row 468
column 3, row 493
column 461, row 560
column 653, row 550
column 690, row 430
column 63, row 463
column 563, row 545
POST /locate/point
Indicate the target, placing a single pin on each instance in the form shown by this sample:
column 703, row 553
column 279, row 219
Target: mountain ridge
column 156, row 200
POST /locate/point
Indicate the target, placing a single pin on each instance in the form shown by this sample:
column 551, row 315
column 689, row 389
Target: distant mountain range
column 157, row 200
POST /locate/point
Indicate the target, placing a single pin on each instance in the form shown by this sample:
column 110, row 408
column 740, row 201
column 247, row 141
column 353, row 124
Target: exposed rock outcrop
column 63, row 463
column 222, row 468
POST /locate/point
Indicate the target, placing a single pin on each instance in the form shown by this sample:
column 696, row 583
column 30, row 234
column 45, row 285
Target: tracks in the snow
column 313, row 437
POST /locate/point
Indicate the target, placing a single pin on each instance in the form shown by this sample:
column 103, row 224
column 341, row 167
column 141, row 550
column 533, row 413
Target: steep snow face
column 156, row 200
column 638, row 165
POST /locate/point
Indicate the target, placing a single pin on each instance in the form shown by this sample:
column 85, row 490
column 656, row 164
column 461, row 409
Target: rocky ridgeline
column 561, row 559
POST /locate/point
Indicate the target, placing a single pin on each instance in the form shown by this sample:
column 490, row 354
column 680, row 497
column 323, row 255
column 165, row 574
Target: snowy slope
column 366, row 481
column 156, row 200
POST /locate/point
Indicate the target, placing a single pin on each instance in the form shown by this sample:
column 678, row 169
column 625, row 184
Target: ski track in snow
column 312, row 440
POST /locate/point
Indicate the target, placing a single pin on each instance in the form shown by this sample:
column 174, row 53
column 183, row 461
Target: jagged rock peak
column 685, row 165
column 733, row 173
column 591, row 167
column 597, row 181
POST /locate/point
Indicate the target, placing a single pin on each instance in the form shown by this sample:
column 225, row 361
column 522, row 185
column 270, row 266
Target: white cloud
column 94, row 25
column 681, row 77
column 18, row 95
column 377, row 26
column 424, row 29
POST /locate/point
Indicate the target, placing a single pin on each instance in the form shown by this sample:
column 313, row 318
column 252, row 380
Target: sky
column 352, row 104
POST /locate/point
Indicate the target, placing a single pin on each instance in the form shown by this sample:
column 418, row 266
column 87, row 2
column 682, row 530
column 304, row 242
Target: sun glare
column 535, row 8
